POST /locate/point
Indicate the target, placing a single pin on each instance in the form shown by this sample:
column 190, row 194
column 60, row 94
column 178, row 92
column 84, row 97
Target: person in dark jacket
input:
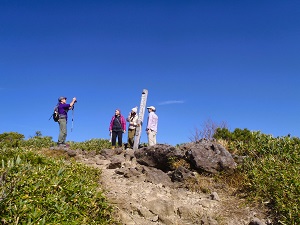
column 117, row 127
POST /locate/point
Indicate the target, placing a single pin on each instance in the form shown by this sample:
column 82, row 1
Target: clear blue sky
column 228, row 61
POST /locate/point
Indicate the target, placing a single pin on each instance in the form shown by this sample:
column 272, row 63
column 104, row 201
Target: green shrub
column 91, row 145
column 38, row 142
column 10, row 139
column 39, row 190
column 271, row 170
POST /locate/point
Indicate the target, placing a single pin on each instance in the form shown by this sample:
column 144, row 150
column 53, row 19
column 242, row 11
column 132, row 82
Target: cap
column 151, row 107
column 61, row 98
column 134, row 109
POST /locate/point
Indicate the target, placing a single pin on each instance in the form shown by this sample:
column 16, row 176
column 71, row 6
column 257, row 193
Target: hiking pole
column 110, row 134
column 72, row 119
column 73, row 116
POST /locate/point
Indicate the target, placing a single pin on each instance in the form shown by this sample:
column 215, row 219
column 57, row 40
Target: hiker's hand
column 124, row 131
column 74, row 99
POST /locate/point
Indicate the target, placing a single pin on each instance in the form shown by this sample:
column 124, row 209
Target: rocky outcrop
column 203, row 156
column 211, row 157
column 150, row 185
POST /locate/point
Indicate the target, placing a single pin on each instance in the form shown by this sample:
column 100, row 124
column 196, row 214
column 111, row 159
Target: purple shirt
column 63, row 109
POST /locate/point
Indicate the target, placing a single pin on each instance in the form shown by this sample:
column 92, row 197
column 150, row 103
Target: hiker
column 117, row 127
column 63, row 109
column 152, row 126
column 133, row 121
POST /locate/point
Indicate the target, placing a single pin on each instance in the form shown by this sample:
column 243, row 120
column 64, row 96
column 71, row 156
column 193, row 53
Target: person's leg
column 65, row 132
column 131, row 134
column 154, row 137
column 113, row 139
column 120, row 141
column 151, row 138
column 62, row 131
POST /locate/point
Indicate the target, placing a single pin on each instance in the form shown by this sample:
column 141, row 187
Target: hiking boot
column 112, row 147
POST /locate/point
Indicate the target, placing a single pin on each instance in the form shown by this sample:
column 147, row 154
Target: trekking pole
column 72, row 117
column 110, row 136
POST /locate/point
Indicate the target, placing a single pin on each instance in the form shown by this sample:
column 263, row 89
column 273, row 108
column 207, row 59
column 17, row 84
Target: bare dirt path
column 139, row 201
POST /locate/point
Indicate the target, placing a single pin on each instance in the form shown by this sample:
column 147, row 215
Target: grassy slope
column 39, row 190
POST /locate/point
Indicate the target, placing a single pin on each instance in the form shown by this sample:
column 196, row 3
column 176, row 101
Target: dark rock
column 108, row 153
column 71, row 153
column 256, row 221
column 157, row 176
column 210, row 157
column 116, row 162
column 158, row 156
column 181, row 174
column 128, row 172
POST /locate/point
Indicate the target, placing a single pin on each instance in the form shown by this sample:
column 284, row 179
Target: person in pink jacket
column 117, row 127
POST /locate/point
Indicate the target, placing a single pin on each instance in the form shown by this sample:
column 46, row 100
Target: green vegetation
column 35, row 189
column 13, row 139
column 271, row 170
column 91, row 145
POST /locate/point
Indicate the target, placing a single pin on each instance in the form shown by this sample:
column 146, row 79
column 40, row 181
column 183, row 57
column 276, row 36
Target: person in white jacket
column 133, row 122
column 152, row 125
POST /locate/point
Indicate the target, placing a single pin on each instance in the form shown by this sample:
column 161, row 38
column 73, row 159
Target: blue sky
column 226, row 61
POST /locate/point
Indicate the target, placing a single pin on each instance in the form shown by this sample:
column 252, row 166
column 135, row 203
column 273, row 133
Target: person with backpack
column 117, row 127
column 62, row 110
column 133, row 122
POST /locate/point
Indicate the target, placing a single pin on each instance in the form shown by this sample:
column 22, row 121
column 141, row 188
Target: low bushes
column 38, row 190
column 270, row 172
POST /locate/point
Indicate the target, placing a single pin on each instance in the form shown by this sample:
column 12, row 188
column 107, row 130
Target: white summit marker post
column 138, row 130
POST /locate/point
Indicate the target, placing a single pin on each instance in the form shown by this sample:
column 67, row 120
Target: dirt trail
column 139, row 202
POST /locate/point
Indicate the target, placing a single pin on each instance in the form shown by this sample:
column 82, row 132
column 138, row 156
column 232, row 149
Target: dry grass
column 54, row 153
column 175, row 164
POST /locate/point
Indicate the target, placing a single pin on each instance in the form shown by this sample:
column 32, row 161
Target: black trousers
column 114, row 136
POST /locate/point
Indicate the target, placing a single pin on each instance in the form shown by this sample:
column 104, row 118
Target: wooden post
column 138, row 130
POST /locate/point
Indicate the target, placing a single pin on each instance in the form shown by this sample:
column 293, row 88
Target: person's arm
column 135, row 120
column 123, row 123
column 128, row 117
column 73, row 102
column 111, row 124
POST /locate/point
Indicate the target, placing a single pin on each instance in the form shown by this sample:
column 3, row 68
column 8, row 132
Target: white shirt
column 152, row 122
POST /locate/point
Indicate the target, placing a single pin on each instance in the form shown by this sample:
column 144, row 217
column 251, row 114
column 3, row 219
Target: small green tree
column 38, row 133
